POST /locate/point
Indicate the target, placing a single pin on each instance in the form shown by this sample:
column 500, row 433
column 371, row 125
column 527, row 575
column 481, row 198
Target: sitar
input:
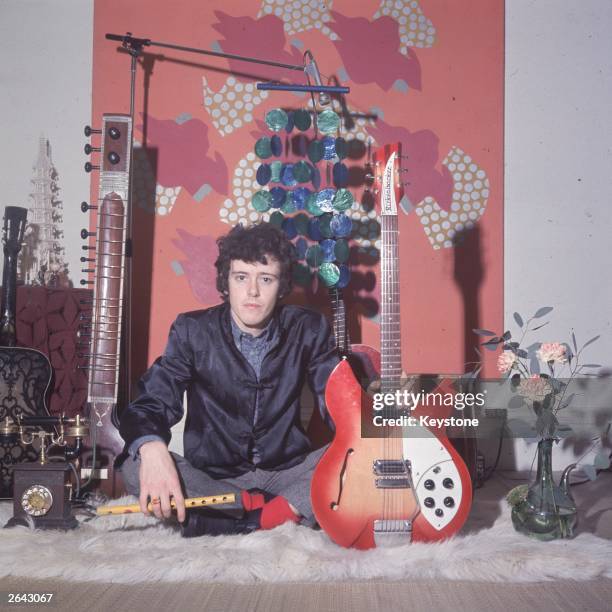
column 393, row 486
column 25, row 373
column 105, row 321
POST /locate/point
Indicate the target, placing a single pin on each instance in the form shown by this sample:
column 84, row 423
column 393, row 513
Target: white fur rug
column 135, row 548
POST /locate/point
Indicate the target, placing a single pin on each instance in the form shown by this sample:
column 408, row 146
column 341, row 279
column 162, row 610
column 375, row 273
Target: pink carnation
column 506, row 361
column 535, row 388
column 552, row 352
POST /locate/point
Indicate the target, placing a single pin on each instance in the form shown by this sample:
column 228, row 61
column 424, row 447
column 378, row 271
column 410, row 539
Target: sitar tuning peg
column 86, row 282
column 89, row 149
column 89, row 131
column 86, row 259
column 87, row 270
column 85, row 234
column 85, row 207
column 89, row 167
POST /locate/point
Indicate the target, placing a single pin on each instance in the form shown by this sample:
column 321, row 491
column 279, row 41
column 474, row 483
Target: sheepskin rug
column 135, row 548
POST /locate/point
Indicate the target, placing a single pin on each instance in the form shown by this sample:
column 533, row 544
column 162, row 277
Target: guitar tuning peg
column 88, row 248
column 89, row 131
column 86, row 282
column 89, row 167
column 88, row 270
column 86, row 259
column 85, row 207
column 89, row 149
column 85, row 234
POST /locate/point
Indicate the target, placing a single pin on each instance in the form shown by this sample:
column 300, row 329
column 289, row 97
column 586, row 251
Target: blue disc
column 340, row 174
column 287, row 177
column 314, row 231
column 290, row 121
column 341, row 225
column 278, row 196
column 289, row 228
column 345, row 276
column 328, row 246
column 341, row 148
column 299, row 196
column 325, row 199
column 316, row 177
column 324, row 221
column 276, row 145
column 263, row 174
column 329, row 147
column 301, row 245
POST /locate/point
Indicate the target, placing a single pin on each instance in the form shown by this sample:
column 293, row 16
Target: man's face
column 253, row 292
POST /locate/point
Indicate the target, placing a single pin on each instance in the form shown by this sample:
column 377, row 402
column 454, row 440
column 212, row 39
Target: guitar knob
column 448, row 483
column 85, row 234
column 449, row 502
column 113, row 157
column 89, row 149
column 89, row 131
column 85, row 207
column 429, row 484
column 114, row 133
column 89, row 167
column 439, row 512
column 429, row 502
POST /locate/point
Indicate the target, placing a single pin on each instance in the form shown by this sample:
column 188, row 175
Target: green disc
column 289, row 205
column 277, row 218
column 314, row 256
column 341, row 148
column 275, row 171
column 343, row 200
column 263, row 149
column 302, row 120
column 342, row 250
column 328, row 121
column 301, row 224
column 312, row 205
column 301, row 275
column 324, row 225
column 262, row 200
column 302, row 172
column 329, row 274
column 316, row 150
column 276, row 119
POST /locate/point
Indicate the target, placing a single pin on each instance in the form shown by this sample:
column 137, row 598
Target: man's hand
column 159, row 481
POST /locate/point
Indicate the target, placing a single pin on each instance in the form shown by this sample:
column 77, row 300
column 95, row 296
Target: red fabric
column 252, row 501
column 276, row 512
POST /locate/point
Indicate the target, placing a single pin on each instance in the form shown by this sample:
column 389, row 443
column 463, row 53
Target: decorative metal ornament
column 341, row 147
column 262, row 201
column 276, row 145
column 341, row 225
column 342, row 200
column 302, row 172
column 286, row 176
column 299, row 196
column 276, row 168
column 325, row 199
column 345, row 276
column 314, row 256
column 276, row 119
column 316, row 150
column 302, row 120
column 278, row 196
column 263, row 175
column 289, row 228
column 263, row 150
column 328, row 121
column 329, row 273
column 340, row 175
column 342, row 250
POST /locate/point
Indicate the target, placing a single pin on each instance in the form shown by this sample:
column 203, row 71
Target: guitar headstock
column 386, row 180
column 15, row 221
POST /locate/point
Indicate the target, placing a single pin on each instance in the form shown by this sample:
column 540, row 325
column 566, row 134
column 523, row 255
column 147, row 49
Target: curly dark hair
column 252, row 244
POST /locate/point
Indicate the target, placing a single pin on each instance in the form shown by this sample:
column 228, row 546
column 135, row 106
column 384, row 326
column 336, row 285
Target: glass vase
column 548, row 511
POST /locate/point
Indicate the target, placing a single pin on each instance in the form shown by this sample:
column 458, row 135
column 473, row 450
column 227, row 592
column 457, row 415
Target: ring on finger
column 155, row 500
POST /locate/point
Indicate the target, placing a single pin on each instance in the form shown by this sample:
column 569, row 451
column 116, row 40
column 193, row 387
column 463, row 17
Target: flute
column 192, row 502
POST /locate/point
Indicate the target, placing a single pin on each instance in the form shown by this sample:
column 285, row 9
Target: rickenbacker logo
column 388, row 204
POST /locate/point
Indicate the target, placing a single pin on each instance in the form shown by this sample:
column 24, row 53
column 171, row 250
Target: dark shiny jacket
column 202, row 358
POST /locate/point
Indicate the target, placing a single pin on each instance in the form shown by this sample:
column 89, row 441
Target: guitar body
column 388, row 481
column 25, row 373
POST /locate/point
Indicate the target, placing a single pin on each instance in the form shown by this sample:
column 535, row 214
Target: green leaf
column 542, row 311
column 602, row 460
column 483, row 332
column 518, row 319
column 589, row 342
column 507, row 335
column 540, row 326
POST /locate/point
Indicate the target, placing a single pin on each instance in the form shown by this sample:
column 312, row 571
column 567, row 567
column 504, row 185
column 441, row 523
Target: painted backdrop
column 428, row 74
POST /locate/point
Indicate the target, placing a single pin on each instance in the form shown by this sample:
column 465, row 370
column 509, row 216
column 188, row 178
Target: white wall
column 558, row 175
column 45, row 85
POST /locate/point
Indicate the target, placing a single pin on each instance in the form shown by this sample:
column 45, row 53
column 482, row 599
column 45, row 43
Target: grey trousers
column 293, row 483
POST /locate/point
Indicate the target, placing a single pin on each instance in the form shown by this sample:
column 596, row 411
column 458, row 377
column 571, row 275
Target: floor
column 594, row 500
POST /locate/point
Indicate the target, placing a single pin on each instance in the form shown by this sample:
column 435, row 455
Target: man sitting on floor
column 243, row 364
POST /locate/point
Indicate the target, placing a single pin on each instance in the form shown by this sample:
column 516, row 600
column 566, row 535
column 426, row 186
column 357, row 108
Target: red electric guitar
column 368, row 491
